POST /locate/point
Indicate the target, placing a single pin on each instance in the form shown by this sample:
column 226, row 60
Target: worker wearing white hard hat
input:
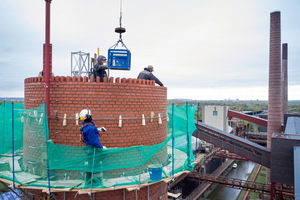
column 90, row 136
column 89, row 131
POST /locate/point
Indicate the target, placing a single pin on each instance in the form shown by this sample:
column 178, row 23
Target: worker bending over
column 147, row 75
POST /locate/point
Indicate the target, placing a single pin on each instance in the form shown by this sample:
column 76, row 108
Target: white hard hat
column 84, row 114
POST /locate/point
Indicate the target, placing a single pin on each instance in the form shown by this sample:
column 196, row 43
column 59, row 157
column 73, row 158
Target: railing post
column 13, row 143
column 173, row 142
column 188, row 134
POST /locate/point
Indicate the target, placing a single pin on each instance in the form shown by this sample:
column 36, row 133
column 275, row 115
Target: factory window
column 215, row 112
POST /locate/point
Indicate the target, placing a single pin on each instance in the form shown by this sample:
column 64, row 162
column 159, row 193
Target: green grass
column 261, row 178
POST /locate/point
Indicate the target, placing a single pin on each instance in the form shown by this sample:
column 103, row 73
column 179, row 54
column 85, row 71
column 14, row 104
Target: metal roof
column 292, row 125
column 297, row 172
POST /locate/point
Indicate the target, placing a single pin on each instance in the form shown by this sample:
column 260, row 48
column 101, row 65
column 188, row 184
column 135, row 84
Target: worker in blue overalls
column 90, row 136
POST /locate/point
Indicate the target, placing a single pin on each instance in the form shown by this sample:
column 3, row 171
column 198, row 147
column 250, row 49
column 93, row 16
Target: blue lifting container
column 119, row 59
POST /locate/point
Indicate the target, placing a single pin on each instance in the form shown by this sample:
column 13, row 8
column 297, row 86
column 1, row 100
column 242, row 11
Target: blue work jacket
column 90, row 135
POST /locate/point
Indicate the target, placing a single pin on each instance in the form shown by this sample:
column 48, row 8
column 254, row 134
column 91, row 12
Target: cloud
column 195, row 46
column 220, row 93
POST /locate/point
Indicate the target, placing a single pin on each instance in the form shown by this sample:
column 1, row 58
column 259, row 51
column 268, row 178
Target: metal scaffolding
column 80, row 64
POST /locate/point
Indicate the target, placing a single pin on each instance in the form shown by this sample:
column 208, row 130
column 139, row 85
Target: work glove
column 101, row 129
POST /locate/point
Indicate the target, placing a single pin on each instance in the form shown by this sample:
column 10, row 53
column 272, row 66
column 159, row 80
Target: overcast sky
column 200, row 49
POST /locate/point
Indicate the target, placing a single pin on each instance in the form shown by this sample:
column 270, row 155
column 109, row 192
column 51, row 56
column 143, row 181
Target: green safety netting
column 29, row 157
column 11, row 127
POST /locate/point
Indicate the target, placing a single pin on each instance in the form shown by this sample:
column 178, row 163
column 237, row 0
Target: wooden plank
column 57, row 190
column 174, row 195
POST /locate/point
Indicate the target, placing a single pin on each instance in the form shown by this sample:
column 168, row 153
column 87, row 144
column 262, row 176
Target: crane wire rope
column 120, row 29
column 121, row 13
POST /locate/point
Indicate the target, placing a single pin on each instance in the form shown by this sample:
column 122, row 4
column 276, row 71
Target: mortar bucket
column 155, row 172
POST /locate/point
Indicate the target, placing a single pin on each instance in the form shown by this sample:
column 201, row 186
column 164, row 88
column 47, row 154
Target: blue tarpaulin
column 16, row 195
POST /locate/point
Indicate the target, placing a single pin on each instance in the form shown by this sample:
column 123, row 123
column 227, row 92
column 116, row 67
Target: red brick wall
column 130, row 98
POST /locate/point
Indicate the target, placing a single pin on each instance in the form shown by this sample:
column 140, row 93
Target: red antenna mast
column 47, row 58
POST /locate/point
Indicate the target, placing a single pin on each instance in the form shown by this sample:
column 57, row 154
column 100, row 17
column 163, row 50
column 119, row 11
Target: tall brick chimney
column 275, row 83
column 284, row 78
